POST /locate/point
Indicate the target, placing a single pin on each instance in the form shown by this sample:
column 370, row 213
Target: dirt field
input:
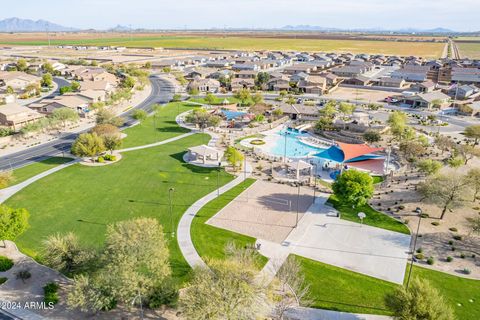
column 469, row 49
column 247, row 41
column 265, row 210
column 364, row 95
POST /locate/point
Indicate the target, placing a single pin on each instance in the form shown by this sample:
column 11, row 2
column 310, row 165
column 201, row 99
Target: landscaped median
column 210, row 241
column 373, row 218
column 338, row 289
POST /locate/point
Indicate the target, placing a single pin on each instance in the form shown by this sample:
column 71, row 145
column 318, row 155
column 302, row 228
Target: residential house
column 15, row 116
column 425, row 87
column 427, row 100
column 204, row 85
column 238, row 84
column 246, row 66
column 246, row 74
column 299, row 111
column 97, row 86
column 358, row 81
column 465, row 75
column 352, row 70
column 390, row 82
column 463, row 92
column 73, row 102
column 412, row 73
column 219, row 64
column 93, row 96
column 313, row 85
column 19, row 81
column 299, row 67
column 279, row 83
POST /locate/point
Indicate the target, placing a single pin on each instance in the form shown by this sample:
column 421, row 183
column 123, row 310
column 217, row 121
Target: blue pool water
column 295, row 148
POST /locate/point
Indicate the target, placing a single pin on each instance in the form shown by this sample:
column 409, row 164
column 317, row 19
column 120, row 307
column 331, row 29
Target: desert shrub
column 3, row 280
column 167, row 294
column 458, row 237
column 435, row 223
column 50, row 293
column 109, row 157
column 424, row 215
column 257, row 142
column 453, row 248
column 450, row 242
column 453, row 229
column 5, row 263
column 449, row 259
column 462, row 255
column 419, row 250
column 430, row 261
column 23, row 275
column 467, row 271
column 101, row 159
column 420, row 256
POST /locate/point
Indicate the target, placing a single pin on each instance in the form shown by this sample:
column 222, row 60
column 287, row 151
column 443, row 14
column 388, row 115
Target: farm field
column 469, row 49
column 423, row 49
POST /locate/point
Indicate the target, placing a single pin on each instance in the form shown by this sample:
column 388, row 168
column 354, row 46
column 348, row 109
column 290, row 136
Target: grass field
column 210, row 241
column 423, row 49
column 24, row 173
column 469, row 50
column 86, row 199
column 374, row 218
column 342, row 290
column 159, row 127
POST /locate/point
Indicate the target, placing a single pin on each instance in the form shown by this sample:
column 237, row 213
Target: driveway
column 323, row 237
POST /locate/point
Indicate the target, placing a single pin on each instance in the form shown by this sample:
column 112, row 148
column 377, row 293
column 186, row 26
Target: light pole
column 170, row 192
column 314, row 181
column 218, row 177
column 419, row 211
column 285, row 148
column 298, row 206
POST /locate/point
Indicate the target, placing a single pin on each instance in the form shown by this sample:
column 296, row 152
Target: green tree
column 444, row 143
column 447, row 191
column 291, row 99
column 429, row 167
column 372, row 136
column 193, row 91
column 75, row 85
column 225, row 81
column 437, row 103
column 88, row 145
column 262, row 79
column 467, row 152
column 473, row 132
column 65, row 89
column 202, row 118
column 473, row 177
column 455, row 162
column 90, row 293
column 210, row 98
column 411, row 150
column 397, row 122
column 128, row 82
column 228, row 289
column 277, row 113
column 324, row 123
column 137, row 258
column 474, row 224
column 105, row 116
column 112, row 142
column 64, row 253
column 354, row 187
column 10, row 90
column 47, row 80
column 139, row 115
column 346, row 108
column 257, row 98
column 148, row 65
column 243, row 95
column 234, row 158
column 329, row 109
column 48, row 68
column 13, row 222
column 65, row 115
column 22, row 64
column 419, row 301
column 110, row 134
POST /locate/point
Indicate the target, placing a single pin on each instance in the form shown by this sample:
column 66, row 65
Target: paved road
column 162, row 92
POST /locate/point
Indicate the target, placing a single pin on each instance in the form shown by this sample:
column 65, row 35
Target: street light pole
column 170, row 191
column 298, row 205
column 419, row 211
column 315, row 181
column 285, row 148
column 218, row 177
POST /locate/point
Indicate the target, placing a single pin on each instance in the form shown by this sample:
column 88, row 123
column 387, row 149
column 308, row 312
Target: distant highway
column 162, row 92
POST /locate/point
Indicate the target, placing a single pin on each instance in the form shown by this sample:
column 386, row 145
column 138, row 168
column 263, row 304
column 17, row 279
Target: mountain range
column 27, row 25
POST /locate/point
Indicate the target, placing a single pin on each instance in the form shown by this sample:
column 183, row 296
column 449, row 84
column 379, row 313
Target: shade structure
column 205, row 152
column 372, row 165
column 298, row 166
column 345, row 152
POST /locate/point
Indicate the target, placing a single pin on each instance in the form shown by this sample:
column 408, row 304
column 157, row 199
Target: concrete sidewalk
column 301, row 313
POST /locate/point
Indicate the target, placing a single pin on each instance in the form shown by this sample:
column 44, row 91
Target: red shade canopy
column 352, row 151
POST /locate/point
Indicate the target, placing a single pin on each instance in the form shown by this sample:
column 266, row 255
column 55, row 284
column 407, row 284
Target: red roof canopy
column 352, row 151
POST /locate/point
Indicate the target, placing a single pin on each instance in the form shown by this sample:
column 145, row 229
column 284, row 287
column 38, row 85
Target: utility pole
column 419, row 211
column 170, row 191
column 298, row 206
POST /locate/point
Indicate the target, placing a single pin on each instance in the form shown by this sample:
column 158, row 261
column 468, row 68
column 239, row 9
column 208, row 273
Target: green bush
column 453, row 229
column 419, row 256
column 430, row 261
column 5, row 263
column 419, row 250
column 257, row 142
column 50, row 292
column 449, row 259
column 101, row 159
column 467, row 271
column 109, row 157
column 3, row 280
column 462, row 255
column 457, row 237
column 450, row 242
column 424, row 215
column 167, row 294
column 435, row 223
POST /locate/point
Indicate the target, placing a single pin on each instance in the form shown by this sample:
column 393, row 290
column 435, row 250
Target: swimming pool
column 294, row 147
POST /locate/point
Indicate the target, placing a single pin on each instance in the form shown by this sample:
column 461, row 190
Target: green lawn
column 374, row 218
column 160, row 127
column 86, row 199
column 338, row 289
column 31, row 170
column 210, row 241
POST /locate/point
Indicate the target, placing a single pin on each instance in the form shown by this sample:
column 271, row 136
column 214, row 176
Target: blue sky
column 461, row 15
